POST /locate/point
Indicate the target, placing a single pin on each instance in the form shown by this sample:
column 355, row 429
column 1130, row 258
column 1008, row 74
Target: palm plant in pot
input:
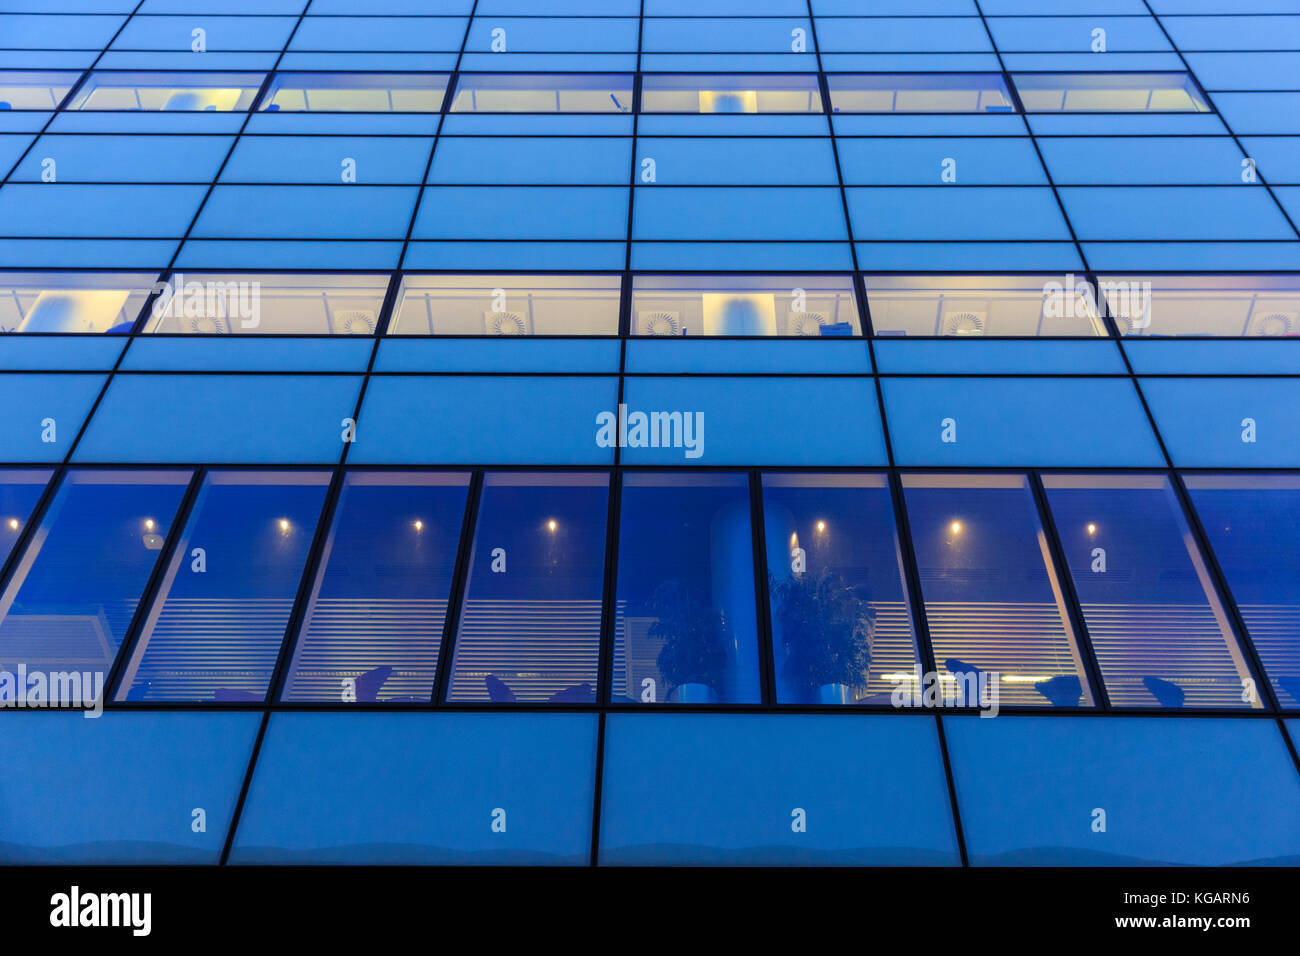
column 693, row 658
column 826, row 632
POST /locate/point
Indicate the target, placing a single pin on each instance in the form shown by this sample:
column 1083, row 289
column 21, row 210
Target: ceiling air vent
column 505, row 323
column 1273, row 324
column 659, row 323
column 964, row 323
column 806, row 323
column 355, row 322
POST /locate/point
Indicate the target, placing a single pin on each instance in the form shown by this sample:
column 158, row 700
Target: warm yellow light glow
column 1024, row 678
column 955, row 527
column 284, row 524
column 552, row 525
column 148, row 524
column 13, row 524
column 1092, row 528
column 821, row 527
column 419, row 525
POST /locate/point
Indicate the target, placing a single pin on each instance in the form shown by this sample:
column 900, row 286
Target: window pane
column 1109, row 92
column 841, row 624
column 744, row 305
column 973, row 306
column 542, row 93
column 72, row 302
column 373, row 629
column 686, row 622
column 356, row 92
column 920, row 93
column 730, row 94
column 222, row 304
column 216, row 626
column 1253, row 523
column 530, row 625
column 507, row 305
column 1255, row 306
column 71, row 598
column 20, row 490
column 186, row 92
column 1159, row 631
column 992, row 598
column 34, row 91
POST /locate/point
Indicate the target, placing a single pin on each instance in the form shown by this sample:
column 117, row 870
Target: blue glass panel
column 1253, row 523
column 484, row 420
column 841, row 622
column 1227, row 422
column 1206, row 792
column 373, row 629
column 216, row 626
column 993, row 600
column 516, row 160
column 686, row 621
column 750, row 420
column 140, row 781
column 1050, row 422
column 210, row 418
column 790, row 789
column 1158, row 629
column 421, row 788
column 530, row 625
column 71, row 598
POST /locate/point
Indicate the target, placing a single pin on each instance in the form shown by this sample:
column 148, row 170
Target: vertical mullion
column 451, row 622
column 39, row 510
column 165, row 557
column 243, row 789
column 306, row 585
column 766, row 653
column 912, row 574
column 608, row 636
column 1066, row 578
column 1226, row 598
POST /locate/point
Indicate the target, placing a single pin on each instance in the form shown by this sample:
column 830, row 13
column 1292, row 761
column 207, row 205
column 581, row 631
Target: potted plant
column 693, row 657
column 826, row 631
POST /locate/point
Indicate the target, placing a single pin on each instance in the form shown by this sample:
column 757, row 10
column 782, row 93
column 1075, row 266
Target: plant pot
column 834, row 694
column 694, row 694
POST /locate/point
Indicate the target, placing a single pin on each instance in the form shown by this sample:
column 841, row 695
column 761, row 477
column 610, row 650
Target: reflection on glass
column 255, row 303
column 714, row 93
column 355, row 93
column 993, row 601
column 72, row 302
column 744, row 305
column 530, row 625
column 1245, row 306
column 215, row 629
column 167, row 92
column 1158, row 629
column 373, row 627
column 1109, row 92
column 20, row 490
column 35, row 89
column 70, row 600
column 1253, row 523
column 686, row 621
column 841, row 626
column 542, row 93
column 506, row 305
column 982, row 306
column 920, row 93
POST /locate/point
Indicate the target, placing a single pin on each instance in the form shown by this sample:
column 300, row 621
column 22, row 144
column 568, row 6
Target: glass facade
column 676, row 429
